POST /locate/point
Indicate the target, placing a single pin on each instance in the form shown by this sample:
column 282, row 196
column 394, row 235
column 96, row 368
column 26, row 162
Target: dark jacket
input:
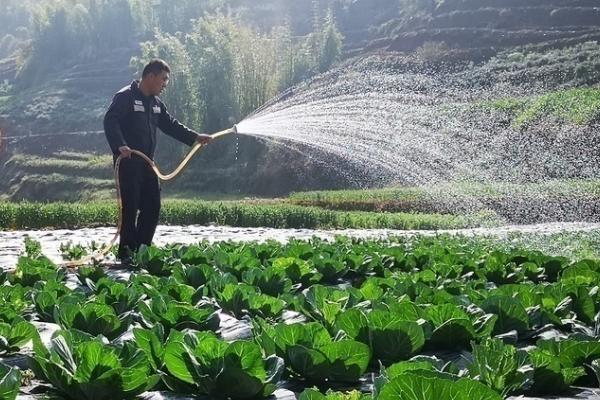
column 132, row 119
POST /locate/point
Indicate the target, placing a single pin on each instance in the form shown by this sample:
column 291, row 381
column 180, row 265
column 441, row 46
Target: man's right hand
column 125, row 151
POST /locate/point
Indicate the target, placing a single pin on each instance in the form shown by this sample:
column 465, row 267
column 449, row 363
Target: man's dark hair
column 155, row 67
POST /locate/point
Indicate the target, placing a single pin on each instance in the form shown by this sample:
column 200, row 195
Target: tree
column 211, row 47
column 331, row 44
column 284, row 54
column 80, row 36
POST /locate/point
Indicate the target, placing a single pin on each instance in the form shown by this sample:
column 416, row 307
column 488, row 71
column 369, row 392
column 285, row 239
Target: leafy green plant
column 194, row 255
column 296, row 269
column 93, row 317
column 171, row 287
column 595, row 365
column 583, row 272
column 48, row 295
column 152, row 343
column 544, row 304
column 29, row 271
column 323, row 303
column 196, row 276
column 572, row 355
column 511, row 314
column 13, row 302
column 33, row 248
column 415, row 387
column 269, row 280
column 10, row 382
column 69, row 251
column 393, row 338
column 154, row 260
column 423, row 366
column 551, row 376
column 81, row 369
column 453, row 327
column 198, row 362
column 234, row 261
column 235, row 298
column 501, row 367
column 330, row 267
column 15, row 335
column 93, row 273
column 311, row 353
column 177, row 315
column 121, row 297
column 428, row 366
column 241, row 299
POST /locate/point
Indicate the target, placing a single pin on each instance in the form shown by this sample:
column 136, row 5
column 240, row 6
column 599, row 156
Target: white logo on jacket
column 138, row 106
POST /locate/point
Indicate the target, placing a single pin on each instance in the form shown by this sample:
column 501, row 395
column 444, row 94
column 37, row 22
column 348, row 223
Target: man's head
column 155, row 77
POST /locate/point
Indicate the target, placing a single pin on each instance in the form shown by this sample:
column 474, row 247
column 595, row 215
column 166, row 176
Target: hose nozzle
column 225, row 132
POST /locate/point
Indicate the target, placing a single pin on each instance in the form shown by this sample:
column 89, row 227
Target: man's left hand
column 203, row 138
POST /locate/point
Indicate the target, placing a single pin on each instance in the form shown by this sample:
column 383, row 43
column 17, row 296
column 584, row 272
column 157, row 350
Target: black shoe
column 126, row 263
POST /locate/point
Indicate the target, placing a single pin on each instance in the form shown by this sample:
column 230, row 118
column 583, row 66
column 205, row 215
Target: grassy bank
column 580, row 106
column 441, row 207
column 28, row 215
column 473, row 194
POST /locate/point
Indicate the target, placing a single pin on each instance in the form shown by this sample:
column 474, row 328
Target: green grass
column 58, row 177
column 57, row 187
column 207, row 196
column 508, row 105
column 27, row 215
column 60, row 181
column 96, row 164
column 579, row 106
column 365, row 200
column 396, row 199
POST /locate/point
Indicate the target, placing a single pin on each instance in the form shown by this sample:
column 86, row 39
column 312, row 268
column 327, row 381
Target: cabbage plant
column 200, row 363
column 83, row 368
column 311, row 353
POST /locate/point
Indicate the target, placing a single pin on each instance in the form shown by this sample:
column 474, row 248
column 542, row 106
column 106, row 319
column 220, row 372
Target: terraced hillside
column 71, row 100
column 80, row 176
column 525, row 53
column 54, row 146
column 491, row 25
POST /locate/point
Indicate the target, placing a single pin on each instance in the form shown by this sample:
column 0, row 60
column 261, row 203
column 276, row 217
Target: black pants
column 140, row 192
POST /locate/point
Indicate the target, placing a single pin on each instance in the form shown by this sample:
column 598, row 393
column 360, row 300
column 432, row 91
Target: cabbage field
column 416, row 319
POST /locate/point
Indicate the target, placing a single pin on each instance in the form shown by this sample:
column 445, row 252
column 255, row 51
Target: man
column 130, row 123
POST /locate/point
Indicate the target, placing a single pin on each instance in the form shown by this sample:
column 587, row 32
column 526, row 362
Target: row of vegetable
column 420, row 318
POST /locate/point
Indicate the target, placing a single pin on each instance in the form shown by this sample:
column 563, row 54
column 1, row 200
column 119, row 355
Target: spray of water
column 424, row 129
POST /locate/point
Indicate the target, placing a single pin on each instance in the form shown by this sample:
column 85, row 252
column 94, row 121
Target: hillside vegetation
column 235, row 56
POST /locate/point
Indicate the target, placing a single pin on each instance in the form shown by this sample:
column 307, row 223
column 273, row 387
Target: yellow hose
column 100, row 254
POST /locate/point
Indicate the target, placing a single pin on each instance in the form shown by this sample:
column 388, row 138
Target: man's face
column 158, row 82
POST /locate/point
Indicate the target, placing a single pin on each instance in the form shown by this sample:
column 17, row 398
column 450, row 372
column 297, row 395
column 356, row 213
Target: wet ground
column 12, row 242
